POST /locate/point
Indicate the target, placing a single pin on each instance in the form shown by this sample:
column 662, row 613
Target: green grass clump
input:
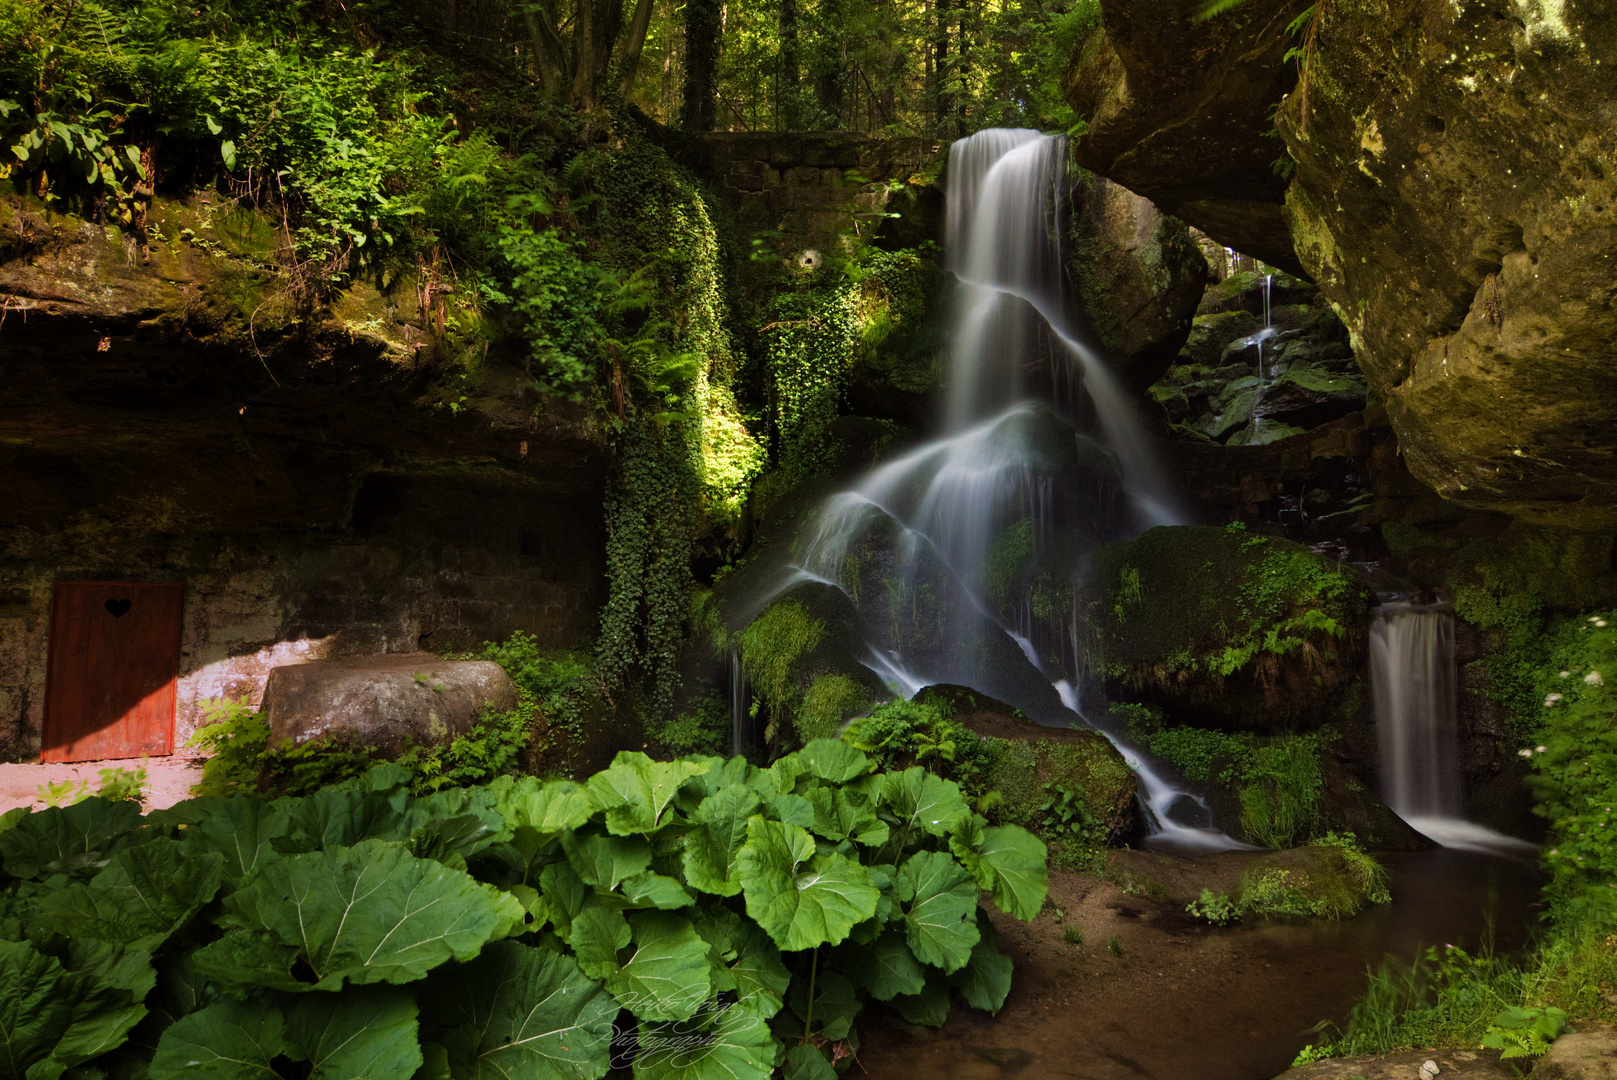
column 829, row 700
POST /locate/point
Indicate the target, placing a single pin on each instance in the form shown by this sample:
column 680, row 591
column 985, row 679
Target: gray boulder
column 383, row 701
column 1580, row 1055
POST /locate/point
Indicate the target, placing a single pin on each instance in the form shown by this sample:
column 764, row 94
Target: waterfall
column 1040, row 459
column 1412, row 685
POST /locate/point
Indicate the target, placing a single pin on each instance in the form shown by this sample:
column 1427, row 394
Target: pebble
column 1428, row 1069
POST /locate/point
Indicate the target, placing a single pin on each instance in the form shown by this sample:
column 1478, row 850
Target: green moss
column 1005, row 559
column 1337, row 884
column 770, row 648
column 1013, row 772
column 829, row 700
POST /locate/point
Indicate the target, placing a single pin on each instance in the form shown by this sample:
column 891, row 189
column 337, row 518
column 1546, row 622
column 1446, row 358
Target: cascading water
column 961, row 555
column 1412, row 683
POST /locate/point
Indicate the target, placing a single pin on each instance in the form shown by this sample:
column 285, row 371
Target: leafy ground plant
column 735, row 917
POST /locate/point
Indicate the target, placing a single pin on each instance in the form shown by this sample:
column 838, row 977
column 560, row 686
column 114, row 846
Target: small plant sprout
column 1114, row 945
column 1073, row 935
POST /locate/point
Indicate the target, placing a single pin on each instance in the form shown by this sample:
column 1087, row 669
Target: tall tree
column 572, row 45
column 786, row 84
column 701, row 64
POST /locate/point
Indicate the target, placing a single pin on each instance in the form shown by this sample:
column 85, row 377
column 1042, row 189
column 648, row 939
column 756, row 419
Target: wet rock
column 1027, row 755
column 1462, row 218
column 387, row 702
column 1227, row 628
column 1139, row 277
column 1178, row 110
column 1470, row 1064
column 1580, row 1055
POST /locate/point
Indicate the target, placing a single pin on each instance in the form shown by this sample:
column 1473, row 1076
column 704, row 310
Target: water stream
column 1040, row 454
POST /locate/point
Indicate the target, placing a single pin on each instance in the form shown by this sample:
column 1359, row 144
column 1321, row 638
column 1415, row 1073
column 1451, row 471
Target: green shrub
column 702, row 728
column 505, row 929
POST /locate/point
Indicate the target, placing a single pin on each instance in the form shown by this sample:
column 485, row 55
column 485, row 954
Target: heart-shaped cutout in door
column 119, row 608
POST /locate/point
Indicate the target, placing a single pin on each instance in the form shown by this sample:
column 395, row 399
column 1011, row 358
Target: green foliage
column 1216, row 908
column 1114, row 945
column 1065, row 818
column 703, row 727
column 1523, row 1032
column 1072, row 935
column 827, row 702
column 901, row 733
column 366, row 931
column 1336, row 884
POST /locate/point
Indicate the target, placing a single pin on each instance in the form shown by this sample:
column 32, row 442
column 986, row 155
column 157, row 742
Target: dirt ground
column 1183, row 1000
column 169, row 779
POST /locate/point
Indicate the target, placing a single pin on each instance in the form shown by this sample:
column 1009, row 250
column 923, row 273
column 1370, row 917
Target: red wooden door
column 114, row 659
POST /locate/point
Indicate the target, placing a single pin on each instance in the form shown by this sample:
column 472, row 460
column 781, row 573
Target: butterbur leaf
column 36, row 1006
column 242, row 960
column 760, row 976
column 835, row 1005
column 840, row 813
column 67, row 839
column 929, row 1008
column 807, row 1062
column 986, row 978
column 711, row 848
column 636, row 791
column 552, row 808
column 565, row 895
column 1021, row 869
column 939, row 901
column 605, row 861
column 368, row 1033
column 731, row 1045
column 228, row 1040
column 143, row 896
column 649, row 890
column 834, row 761
column 886, row 968
column 597, row 935
column 370, row 913
column 240, row 828
column 792, row 809
column 801, row 898
column 923, row 801
column 966, row 842
column 346, row 815
column 517, row 1011
column 666, row 976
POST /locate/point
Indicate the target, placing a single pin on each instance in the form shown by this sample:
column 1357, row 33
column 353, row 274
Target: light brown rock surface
column 383, row 701
column 1580, row 1055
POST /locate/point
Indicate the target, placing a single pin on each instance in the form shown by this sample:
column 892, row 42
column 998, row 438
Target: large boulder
column 1580, row 1055
column 1139, row 276
column 1179, row 112
column 1226, row 628
column 1455, row 200
column 388, row 702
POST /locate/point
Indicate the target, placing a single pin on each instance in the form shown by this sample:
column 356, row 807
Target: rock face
column 383, row 701
column 1178, row 110
column 1580, row 1055
column 1226, row 628
column 1139, row 276
column 1455, row 199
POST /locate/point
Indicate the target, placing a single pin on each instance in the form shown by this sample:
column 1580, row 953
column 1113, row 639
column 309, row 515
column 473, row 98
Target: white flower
column 1552, row 699
column 1593, row 678
column 1600, row 622
column 1525, row 753
column 1592, row 618
column 1564, row 674
column 1541, row 749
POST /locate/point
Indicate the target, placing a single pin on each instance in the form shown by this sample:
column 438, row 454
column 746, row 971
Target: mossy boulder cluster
column 1226, row 627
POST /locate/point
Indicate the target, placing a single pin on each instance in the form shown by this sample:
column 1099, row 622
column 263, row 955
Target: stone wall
column 811, row 187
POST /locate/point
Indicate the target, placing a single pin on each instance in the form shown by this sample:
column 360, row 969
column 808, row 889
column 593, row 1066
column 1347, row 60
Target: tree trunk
column 786, row 86
column 701, row 64
column 940, row 64
column 639, row 26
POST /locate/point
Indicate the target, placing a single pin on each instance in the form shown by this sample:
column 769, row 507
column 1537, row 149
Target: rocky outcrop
column 1580, row 1055
column 1139, row 276
column 1179, row 111
column 388, row 703
column 326, row 477
column 1454, row 198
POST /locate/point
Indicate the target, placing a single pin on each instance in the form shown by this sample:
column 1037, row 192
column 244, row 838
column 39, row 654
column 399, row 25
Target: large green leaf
column 241, row 829
column 731, row 1045
column 228, row 1040
column 929, row 1008
column 66, row 839
column 36, row 1006
column 597, row 934
column 711, row 847
column 114, row 985
column 1021, row 869
column 552, row 808
column 245, row 959
column 649, row 890
column 605, row 861
column 370, row 913
column 923, row 801
column 347, row 815
column 986, row 978
column 565, row 895
column 666, row 976
column 760, row 976
column 840, row 813
column 368, row 1033
column 806, row 1062
column 142, row 897
column 939, row 901
column 520, row 1013
column 885, row 968
column 636, row 791
column 834, row 760
column 801, row 898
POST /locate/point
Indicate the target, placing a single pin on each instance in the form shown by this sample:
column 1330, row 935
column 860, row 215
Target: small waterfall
column 1041, row 456
column 1412, row 684
column 740, row 708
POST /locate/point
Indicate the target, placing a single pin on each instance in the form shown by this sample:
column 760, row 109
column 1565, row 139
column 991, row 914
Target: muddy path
column 1183, row 1000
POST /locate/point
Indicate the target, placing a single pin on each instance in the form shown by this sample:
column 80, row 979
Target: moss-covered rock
column 1025, row 756
column 1225, row 627
column 1327, row 881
